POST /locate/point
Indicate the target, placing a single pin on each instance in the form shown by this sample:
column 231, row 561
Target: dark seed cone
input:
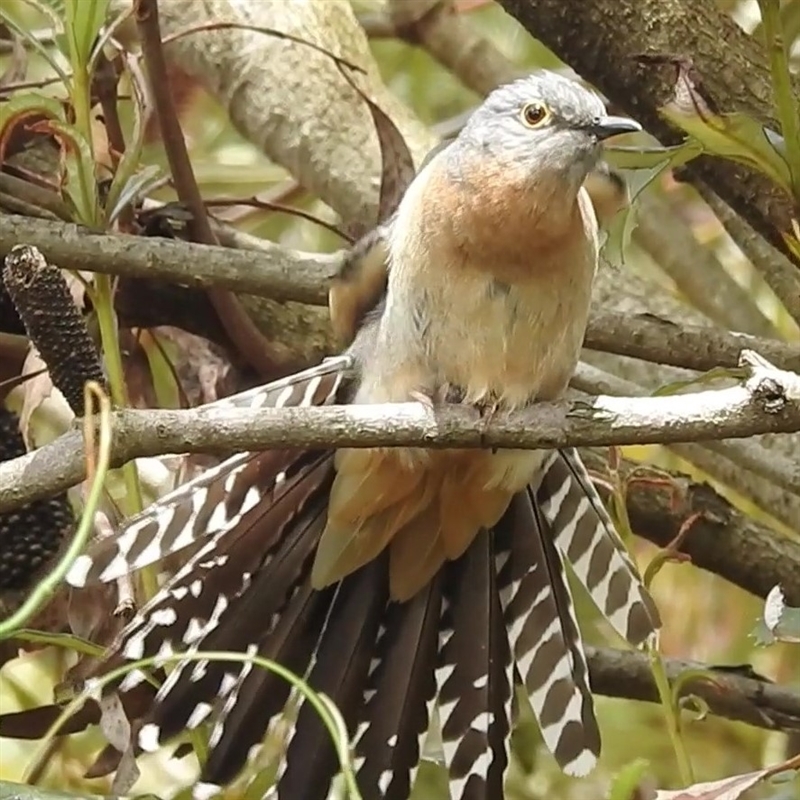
column 9, row 319
column 31, row 537
column 53, row 323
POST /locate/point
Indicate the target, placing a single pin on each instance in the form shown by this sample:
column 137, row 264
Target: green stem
column 788, row 111
column 109, row 336
column 671, row 715
column 45, row 588
column 328, row 713
column 81, row 103
column 103, row 295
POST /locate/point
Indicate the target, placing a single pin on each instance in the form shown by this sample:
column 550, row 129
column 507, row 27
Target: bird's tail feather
column 499, row 615
column 543, row 636
column 586, row 536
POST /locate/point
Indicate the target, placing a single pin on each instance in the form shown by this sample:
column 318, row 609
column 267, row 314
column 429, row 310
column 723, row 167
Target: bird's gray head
column 544, row 124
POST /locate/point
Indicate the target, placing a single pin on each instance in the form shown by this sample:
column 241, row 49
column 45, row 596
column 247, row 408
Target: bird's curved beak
column 606, row 127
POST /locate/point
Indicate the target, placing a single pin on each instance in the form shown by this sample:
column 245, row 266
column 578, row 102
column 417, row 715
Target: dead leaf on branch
column 730, row 788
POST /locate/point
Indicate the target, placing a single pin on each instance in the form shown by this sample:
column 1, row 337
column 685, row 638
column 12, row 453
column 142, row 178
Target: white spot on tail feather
column 148, row 737
column 164, row 616
column 198, row 715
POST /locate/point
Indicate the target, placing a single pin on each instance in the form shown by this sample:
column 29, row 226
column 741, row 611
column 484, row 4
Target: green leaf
column 130, row 160
column 43, row 51
column 127, row 193
column 734, row 136
column 165, row 384
column 81, row 185
column 652, row 157
column 627, row 781
column 28, row 103
column 646, row 165
column 707, row 377
column 84, row 18
column 68, row 641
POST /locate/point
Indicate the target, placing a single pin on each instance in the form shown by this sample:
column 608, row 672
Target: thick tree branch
column 769, row 401
column 617, row 673
column 282, row 274
column 271, row 270
column 722, row 540
column 451, row 40
column 690, row 346
column 604, row 41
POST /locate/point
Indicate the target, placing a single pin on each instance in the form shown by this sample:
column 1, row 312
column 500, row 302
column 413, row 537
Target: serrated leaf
column 735, row 136
column 626, row 783
column 781, row 620
column 646, row 165
column 84, row 18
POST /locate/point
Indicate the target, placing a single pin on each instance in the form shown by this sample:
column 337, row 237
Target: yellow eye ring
column 534, row 114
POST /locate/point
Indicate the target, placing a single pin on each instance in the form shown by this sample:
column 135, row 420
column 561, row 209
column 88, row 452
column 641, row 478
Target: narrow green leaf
column 81, row 185
column 168, row 393
column 137, row 185
column 712, row 375
column 626, row 782
column 67, row 641
column 644, row 165
column 43, row 51
column 27, row 103
column 129, row 163
column 84, row 18
column 652, row 157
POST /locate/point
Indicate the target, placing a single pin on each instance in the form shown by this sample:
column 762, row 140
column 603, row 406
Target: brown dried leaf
column 730, row 788
column 34, row 392
column 397, row 164
column 18, row 64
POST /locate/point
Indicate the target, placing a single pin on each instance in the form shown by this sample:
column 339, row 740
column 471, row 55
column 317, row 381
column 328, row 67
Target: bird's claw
column 422, row 397
column 487, row 409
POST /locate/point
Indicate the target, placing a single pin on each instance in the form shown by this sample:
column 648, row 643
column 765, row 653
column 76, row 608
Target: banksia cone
column 53, row 323
column 31, row 536
column 9, row 319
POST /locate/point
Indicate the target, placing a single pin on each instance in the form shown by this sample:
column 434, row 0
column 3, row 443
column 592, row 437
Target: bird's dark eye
column 534, row 114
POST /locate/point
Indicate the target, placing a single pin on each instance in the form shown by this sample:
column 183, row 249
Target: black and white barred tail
column 499, row 617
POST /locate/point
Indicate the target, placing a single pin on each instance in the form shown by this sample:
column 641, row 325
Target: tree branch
column 283, row 274
column 722, row 540
column 627, row 674
column 604, row 41
column 768, row 401
column 271, row 270
column 696, row 347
